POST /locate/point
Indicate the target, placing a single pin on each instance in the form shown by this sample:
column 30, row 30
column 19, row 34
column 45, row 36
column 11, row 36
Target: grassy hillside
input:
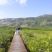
column 37, row 40
column 40, row 21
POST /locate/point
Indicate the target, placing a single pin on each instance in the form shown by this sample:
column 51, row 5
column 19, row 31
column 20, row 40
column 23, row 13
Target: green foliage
column 2, row 49
column 37, row 40
column 40, row 21
column 6, row 33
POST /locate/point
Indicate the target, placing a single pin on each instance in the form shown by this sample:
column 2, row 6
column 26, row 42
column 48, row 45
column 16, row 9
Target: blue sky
column 24, row 8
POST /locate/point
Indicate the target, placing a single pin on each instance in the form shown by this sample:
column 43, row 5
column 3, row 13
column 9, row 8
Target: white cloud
column 3, row 2
column 22, row 2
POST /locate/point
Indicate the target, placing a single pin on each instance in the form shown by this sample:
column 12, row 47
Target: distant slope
column 40, row 21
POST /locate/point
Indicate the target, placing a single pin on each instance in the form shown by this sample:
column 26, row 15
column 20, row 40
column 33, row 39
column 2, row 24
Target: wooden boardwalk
column 17, row 44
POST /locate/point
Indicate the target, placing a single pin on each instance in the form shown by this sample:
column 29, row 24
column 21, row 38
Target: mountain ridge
column 43, row 20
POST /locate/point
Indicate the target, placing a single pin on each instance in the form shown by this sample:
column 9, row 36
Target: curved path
column 17, row 44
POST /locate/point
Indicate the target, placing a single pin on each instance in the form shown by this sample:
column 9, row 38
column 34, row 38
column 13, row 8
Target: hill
column 40, row 21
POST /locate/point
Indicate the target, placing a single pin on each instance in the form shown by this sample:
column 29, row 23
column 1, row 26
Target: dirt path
column 17, row 44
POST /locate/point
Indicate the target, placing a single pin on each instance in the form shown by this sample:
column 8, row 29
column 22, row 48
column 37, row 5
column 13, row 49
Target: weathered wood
column 17, row 44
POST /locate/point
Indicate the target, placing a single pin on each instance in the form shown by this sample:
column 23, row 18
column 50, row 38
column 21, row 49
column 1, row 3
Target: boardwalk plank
column 17, row 44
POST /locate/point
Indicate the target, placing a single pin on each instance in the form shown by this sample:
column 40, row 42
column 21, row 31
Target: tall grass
column 6, row 35
column 37, row 40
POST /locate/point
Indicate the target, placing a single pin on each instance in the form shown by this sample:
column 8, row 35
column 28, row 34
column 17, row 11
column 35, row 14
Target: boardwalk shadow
column 26, row 48
column 25, row 45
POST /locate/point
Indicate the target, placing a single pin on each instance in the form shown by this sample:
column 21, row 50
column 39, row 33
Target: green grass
column 2, row 49
column 6, row 35
column 37, row 40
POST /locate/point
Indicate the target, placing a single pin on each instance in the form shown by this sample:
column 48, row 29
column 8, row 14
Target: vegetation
column 6, row 35
column 37, row 37
column 37, row 40
column 40, row 21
